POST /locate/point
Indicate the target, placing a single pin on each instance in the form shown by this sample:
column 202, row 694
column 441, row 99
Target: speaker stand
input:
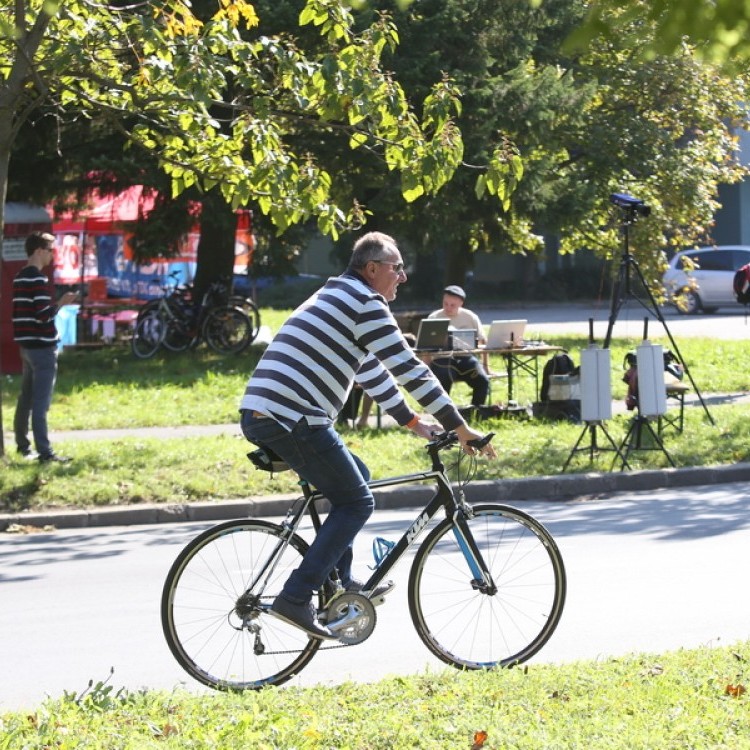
column 593, row 446
column 641, row 426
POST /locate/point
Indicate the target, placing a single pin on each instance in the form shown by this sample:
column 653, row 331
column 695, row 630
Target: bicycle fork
column 481, row 577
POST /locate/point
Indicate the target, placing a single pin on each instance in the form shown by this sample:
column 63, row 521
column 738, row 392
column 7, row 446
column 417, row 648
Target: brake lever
column 479, row 443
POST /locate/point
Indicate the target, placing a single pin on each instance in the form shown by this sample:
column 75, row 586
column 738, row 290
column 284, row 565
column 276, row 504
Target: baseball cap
column 455, row 290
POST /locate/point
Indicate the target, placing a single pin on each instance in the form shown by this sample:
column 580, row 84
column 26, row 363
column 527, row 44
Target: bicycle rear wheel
column 215, row 603
column 227, row 330
column 148, row 335
column 471, row 629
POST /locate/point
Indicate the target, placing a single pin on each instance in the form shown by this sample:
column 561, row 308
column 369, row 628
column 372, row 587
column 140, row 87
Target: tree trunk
column 6, row 138
column 457, row 263
column 216, row 244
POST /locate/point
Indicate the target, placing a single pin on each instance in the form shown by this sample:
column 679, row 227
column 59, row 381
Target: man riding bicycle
column 344, row 333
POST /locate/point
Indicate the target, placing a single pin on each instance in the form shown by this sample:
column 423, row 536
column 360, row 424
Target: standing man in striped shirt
column 344, row 333
column 34, row 330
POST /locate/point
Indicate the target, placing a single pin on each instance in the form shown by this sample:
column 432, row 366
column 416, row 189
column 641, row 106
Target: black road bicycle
column 486, row 587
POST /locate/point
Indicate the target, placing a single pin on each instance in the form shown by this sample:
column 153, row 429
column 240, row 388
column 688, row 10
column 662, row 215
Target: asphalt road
column 646, row 571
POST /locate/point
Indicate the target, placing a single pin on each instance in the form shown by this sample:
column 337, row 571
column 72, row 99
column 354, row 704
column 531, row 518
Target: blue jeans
column 319, row 456
column 37, row 383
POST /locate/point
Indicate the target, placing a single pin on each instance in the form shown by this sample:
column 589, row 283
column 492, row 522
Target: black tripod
column 641, row 436
column 594, row 447
column 622, row 289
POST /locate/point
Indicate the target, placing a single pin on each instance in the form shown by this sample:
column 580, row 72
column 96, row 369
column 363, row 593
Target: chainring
column 351, row 617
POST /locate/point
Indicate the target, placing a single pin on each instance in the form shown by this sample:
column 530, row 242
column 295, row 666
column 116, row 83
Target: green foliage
column 490, row 133
column 690, row 698
column 583, row 126
column 232, row 127
column 718, row 29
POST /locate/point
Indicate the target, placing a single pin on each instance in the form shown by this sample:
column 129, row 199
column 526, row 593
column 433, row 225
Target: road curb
column 553, row 488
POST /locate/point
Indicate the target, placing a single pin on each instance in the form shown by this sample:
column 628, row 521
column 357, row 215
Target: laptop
column 463, row 339
column 432, row 334
column 506, row 333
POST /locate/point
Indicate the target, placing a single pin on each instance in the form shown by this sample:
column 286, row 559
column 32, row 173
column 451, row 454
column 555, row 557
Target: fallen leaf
column 479, row 739
column 735, row 690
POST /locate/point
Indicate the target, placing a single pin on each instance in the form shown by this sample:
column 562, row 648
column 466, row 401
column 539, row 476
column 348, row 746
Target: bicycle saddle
column 267, row 460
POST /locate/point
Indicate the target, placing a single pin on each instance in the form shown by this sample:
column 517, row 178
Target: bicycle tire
column 199, row 608
column 148, row 335
column 147, row 308
column 250, row 309
column 177, row 337
column 469, row 629
column 227, row 330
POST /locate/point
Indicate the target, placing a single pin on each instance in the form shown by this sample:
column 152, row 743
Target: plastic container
column 66, row 322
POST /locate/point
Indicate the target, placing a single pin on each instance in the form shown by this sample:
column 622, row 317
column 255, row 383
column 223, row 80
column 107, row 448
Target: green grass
column 110, row 389
column 687, row 699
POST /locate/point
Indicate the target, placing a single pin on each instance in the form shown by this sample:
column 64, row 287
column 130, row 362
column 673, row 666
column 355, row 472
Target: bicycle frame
column 444, row 497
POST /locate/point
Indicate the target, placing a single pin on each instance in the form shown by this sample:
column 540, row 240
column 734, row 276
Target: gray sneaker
column 357, row 587
column 302, row 616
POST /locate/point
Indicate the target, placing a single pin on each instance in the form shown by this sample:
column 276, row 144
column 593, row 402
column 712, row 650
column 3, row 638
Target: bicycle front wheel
column 227, row 330
column 471, row 628
column 215, row 603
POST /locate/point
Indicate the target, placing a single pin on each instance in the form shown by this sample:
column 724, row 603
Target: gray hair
column 370, row 246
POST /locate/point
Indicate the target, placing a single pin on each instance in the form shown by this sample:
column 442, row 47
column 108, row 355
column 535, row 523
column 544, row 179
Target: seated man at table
column 463, row 367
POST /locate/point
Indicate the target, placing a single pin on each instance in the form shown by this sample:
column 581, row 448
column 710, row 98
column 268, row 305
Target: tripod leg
column 627, row 443
column 593, row 448
column 625, row 463
column 617, row 300
column 659, row 442
column 575, row 448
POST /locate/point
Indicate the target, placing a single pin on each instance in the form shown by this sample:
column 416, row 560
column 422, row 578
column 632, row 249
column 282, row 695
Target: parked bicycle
column 226, row 323
column 486, row 587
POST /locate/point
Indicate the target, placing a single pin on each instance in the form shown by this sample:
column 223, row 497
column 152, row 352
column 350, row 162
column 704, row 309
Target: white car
column 708, row 285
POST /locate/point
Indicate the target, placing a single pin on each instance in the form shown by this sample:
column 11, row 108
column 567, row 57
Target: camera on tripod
column 623, row 200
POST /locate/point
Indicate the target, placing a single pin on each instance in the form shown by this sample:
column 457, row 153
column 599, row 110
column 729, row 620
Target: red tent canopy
column 107, row 214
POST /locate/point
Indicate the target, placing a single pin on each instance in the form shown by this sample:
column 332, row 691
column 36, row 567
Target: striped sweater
column 344, row 333
column 33, row 309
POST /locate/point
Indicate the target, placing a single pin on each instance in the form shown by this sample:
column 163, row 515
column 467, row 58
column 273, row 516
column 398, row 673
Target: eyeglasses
column 397, row 267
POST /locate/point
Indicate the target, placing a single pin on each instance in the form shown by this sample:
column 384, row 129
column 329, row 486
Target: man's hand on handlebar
column 426, row 430
column 466, row 435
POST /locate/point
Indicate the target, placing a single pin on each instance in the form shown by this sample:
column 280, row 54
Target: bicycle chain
column 322, row 648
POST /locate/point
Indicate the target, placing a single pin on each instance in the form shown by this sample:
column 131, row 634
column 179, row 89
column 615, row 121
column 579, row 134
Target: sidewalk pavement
column 559, row 487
